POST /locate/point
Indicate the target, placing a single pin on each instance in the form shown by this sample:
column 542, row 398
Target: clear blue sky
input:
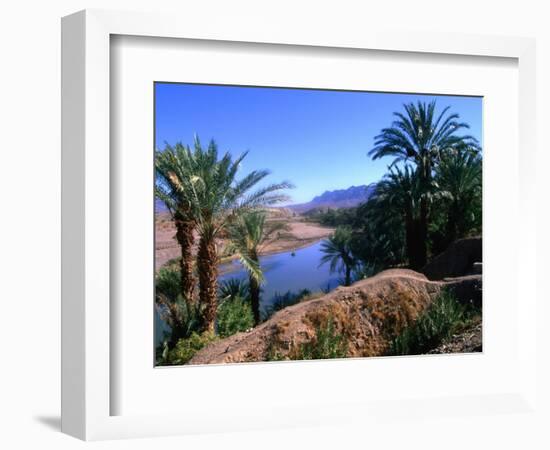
column 316, row 139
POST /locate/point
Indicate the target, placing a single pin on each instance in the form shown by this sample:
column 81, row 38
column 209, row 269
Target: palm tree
column 422, row 137
column 173, row 169
column 338, row 253
column 233, row 288
column 459, row 177
column 217, row 198
column 249, row 235
column 182, row 316
column 379, row 238
column 400, row 192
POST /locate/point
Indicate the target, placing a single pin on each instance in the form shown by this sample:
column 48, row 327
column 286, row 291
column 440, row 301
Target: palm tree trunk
column 412, row 240
column 347, row 281
column 422, row 237
column 453, row 218
column 207, row 264
column 185, row 238
column 254, row 288
column 423, row 234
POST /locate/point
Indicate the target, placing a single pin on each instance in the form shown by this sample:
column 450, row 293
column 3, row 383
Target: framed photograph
column 256, row 222
column 249, row 268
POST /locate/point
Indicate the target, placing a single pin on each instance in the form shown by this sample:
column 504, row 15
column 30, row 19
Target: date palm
column 400, row 193
column 233, row 288
column 338, row 252
column 249, row 235
column 218, row 197
column 173, row 170
column 422, row 137
column 459, row 178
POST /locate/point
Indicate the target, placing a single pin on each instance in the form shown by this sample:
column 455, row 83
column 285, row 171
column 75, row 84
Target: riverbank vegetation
column 430, row 196
column 444, row 317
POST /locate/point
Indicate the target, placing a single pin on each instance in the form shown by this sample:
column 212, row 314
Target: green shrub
column 167, row 283
column 234, row 315
column 441, row 319
column 186, row 348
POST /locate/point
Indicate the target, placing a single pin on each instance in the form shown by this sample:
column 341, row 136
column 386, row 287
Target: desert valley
column 361, row 245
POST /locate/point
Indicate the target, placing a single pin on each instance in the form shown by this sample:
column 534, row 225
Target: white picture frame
column 86, row 286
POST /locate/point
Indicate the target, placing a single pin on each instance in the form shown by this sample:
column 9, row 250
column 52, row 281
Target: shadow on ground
column 51, row 422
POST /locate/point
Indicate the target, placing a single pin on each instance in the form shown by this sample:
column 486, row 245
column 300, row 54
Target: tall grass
column 441, row 319
column 327, row 343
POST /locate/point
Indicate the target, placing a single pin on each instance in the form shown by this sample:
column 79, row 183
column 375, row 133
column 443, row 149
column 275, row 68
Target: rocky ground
column 467, row 341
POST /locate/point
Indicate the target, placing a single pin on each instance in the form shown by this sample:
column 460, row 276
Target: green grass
column 326, row 344
column 443, row 317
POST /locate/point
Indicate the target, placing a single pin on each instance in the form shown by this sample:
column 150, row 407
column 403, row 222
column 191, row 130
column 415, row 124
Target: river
column 286, row 271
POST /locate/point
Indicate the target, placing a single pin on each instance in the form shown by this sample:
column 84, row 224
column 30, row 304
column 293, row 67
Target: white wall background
column 30, row 202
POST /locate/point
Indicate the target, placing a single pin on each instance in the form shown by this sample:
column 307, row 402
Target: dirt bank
column 369, row 314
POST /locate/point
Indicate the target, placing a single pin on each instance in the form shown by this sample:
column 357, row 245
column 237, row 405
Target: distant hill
column 341, row 198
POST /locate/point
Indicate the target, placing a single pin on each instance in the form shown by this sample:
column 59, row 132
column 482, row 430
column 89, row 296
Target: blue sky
column 316, row 139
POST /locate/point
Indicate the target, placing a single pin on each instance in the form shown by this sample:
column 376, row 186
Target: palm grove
column 429, row 197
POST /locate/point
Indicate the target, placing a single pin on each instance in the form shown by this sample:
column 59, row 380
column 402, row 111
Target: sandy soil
column 299, row 234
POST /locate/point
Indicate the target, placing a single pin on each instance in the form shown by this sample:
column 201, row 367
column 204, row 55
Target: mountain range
column 340, row 198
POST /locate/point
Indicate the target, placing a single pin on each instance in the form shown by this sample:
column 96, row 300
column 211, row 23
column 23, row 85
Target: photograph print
column 301, row 224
